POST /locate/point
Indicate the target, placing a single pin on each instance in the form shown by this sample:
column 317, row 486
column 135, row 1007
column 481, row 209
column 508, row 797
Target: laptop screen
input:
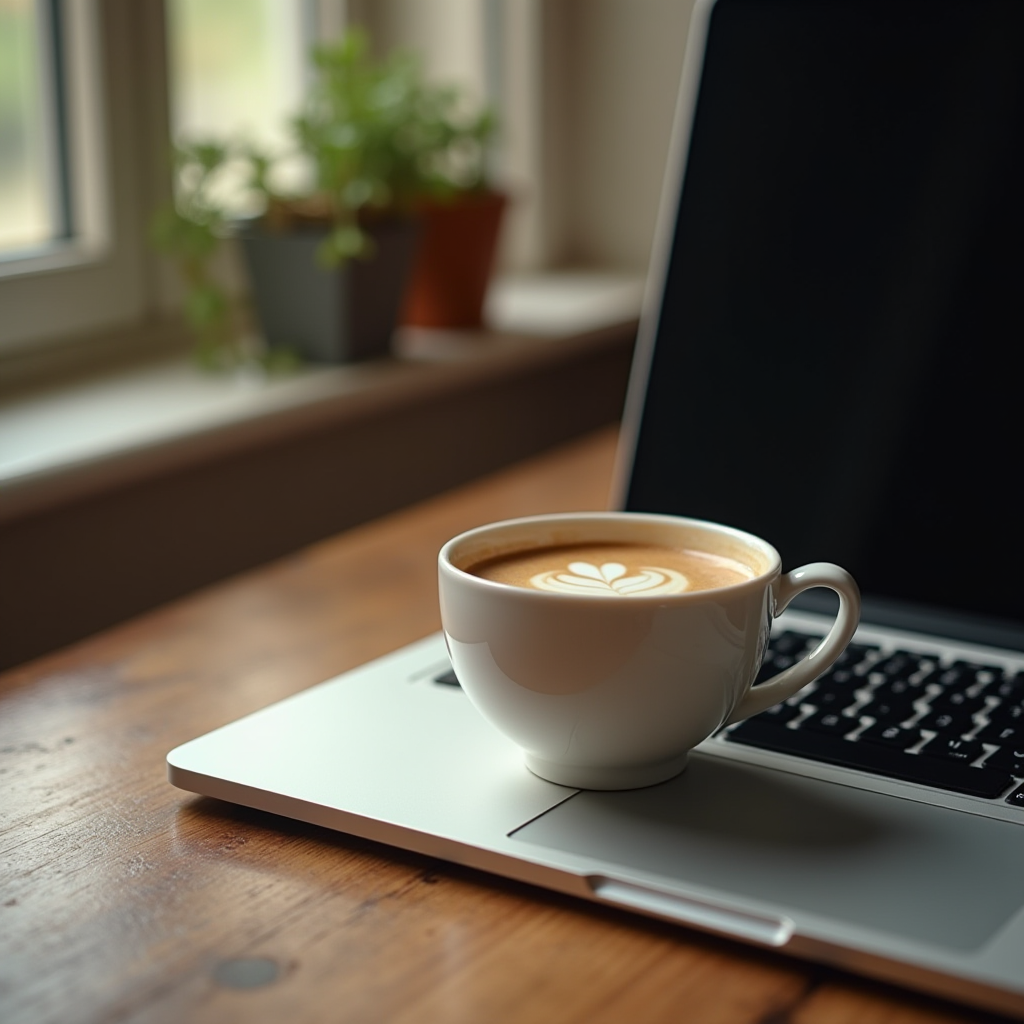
column 836, row 364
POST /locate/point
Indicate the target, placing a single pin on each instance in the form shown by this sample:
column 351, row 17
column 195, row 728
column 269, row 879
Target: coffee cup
column 607, row 645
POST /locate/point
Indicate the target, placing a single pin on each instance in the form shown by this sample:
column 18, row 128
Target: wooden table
column 124, row 899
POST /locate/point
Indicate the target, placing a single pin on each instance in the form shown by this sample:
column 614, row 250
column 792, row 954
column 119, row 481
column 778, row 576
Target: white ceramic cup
column 613, row 691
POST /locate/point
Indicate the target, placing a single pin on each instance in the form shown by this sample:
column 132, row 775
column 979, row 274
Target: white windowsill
column 66, row 441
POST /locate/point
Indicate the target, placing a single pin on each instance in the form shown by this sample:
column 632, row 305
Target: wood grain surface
column 124, row 899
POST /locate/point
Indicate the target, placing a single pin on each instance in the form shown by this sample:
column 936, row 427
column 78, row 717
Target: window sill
column 76, row 438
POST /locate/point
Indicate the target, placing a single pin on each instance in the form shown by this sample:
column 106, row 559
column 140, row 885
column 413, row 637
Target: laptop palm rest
column 872, row 860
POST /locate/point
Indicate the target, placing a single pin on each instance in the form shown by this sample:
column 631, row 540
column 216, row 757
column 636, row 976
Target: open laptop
column 826, row 359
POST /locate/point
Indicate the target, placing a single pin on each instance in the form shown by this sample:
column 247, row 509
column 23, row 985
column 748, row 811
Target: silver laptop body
column 879, row 873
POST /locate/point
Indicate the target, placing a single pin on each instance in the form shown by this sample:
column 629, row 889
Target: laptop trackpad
column 922, row 872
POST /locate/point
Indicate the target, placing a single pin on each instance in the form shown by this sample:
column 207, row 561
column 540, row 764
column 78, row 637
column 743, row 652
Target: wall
column 587, row 92
column 621, row 63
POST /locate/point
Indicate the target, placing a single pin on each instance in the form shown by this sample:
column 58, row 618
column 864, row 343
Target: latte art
column 612, row 569
column 610, row 578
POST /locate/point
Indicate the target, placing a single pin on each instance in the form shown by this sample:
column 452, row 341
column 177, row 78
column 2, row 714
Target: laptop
column 825, row 359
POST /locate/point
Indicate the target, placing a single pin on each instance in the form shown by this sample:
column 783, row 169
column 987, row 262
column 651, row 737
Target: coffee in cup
column 610, row 569
column 607, row 645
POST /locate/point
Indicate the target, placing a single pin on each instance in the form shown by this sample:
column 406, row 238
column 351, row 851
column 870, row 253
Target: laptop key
column 898, row 689
column 953, row 749
column 957, row 702
column 1001, row 734
column 838, row 685
column 825, row 698
column 1007, row 716
column 1010, row 690
column 830, row 723
column 889, row 710
column 899, row 665
column 1016, row 798
column 973, row 668
column 947, row 722
column 873, row 757
column 893, row 736
column 960, row 674
column 1009, row 759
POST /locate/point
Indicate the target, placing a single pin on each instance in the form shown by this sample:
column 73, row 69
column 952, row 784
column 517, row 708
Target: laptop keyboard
column 904, row 715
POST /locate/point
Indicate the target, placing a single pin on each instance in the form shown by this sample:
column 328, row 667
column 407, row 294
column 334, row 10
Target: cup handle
column 796, row 677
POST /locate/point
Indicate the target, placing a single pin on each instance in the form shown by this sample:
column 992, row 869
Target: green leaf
column 280, row 360
column 205, row 307
column 344, row 243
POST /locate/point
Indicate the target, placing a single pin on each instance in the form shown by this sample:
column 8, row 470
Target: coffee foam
column 610, row 569
column 610, row 578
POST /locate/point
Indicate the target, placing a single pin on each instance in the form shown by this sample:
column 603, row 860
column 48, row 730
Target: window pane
column 26, row 214
column 237, row 68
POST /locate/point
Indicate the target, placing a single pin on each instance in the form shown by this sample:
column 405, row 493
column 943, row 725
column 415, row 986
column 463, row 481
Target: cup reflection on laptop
column 608, row 644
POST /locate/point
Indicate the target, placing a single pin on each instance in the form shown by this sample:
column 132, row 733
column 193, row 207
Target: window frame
column 102, row 277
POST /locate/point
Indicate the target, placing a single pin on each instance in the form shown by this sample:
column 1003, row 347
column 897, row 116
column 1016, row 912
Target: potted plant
column 190, row 232
column 460, row 220
column 329, row 262
column 454, row 259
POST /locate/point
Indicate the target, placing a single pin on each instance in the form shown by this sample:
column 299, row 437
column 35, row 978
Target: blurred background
column 91, row 91
column 130, row 475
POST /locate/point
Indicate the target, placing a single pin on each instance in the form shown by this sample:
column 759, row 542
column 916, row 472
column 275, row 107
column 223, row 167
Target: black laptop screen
column 838, row 359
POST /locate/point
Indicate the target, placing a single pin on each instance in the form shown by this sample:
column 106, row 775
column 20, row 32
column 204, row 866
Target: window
column 79, row 264
column 33, row 201
column 237, row 69
column 78, row 275
column 569, row 78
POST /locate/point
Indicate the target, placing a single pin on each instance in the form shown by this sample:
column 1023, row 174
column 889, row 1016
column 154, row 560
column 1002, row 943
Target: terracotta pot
column 453, row 265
